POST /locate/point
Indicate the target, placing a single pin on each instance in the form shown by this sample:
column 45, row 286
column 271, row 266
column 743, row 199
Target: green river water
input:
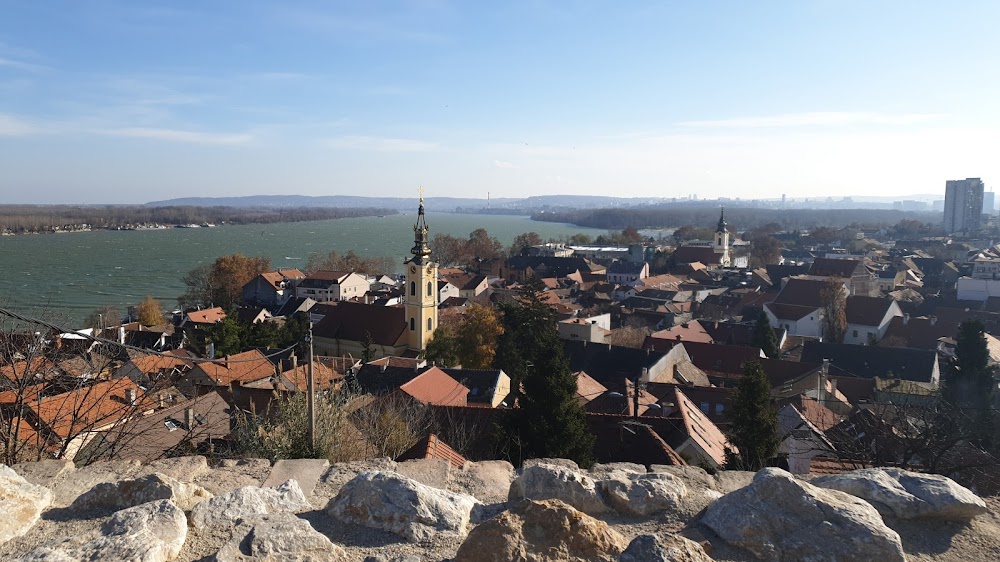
column 64, row 277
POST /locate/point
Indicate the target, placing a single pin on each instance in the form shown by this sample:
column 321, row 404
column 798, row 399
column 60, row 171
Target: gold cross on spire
column 420, row 190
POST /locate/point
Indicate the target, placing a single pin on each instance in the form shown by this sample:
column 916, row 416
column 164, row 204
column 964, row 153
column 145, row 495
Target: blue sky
column 123, row 101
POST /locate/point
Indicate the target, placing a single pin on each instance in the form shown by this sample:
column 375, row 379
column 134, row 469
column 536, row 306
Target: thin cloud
column 505, row 165
column 383, row 144
column 813, row 119
column 11, row 126
column 177, row 135
column 21, row 65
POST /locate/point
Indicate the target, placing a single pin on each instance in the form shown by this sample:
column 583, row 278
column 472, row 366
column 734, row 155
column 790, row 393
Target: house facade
column 323, row 286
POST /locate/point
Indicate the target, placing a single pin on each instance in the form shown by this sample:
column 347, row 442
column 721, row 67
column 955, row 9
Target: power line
column 60, row 329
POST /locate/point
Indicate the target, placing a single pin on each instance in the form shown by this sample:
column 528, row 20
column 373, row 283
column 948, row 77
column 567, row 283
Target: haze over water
column 64, row 277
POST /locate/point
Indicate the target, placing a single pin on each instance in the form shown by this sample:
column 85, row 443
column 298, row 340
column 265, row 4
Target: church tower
column 421, row 287
column 721, row 243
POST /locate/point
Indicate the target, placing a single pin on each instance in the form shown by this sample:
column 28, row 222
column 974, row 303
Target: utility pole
column 311, row 389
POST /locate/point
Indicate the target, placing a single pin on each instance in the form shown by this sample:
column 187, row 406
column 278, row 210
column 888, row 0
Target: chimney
column 644, row 377
column 833, row 386
column 189, row 418
column 161, row 400
column 295, row 362
column 906, row 318
column 130, row 395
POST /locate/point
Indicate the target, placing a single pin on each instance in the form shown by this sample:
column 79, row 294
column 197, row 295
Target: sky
column 128, row 102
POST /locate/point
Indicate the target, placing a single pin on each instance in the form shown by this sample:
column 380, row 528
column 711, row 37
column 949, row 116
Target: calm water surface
column 66, row 276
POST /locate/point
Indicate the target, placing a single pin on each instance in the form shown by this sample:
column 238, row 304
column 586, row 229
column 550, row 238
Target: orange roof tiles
column 242, row 367
column 587, row 388
column 276, row 277
column 154, row 363
column 90, row 407
column 206, row 316
column 431, row 447
column 690, row 331
column 701, row 429
column 434, row 386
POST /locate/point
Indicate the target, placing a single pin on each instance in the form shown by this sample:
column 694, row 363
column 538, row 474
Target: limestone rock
column 553, row 462
column 542, row 531
column 778, row 517
column 305, row 472
column 280, row 537
column 44, row 472
column 552, row 482
column 151, row 532
column 644, row 494
column 185, row 469
column 602, row 471
column 128, row 493
column 907, row 495
column 245, row 502
column 21, row 503
column 663, row 548
column 487, row 481
column 388, row 501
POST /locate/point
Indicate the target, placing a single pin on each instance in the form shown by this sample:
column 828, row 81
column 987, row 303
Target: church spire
column 421, row 250
column 722, row 221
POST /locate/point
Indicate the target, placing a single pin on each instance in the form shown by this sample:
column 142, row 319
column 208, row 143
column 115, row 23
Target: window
column 704, row 407
column 429, row 323
column 430, row 289
column 413, row 288
column 719, row 408
column 855, row 333
column 413, row 324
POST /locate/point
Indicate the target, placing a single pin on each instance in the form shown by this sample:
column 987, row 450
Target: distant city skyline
column 125, row 102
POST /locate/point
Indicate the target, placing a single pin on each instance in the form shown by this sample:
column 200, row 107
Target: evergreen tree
column 753, row 429
column 968, row 387
column 228, row 335
column 763, row 336
column 549, row 421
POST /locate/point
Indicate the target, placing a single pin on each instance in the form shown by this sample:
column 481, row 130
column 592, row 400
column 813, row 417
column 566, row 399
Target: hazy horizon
column 119, row 102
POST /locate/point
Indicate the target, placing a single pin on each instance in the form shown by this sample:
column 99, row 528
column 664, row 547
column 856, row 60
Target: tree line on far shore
column 26, row 219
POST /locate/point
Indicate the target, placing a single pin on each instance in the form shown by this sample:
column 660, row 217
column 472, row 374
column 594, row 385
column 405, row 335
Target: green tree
column 550, row 421
column 763, row 336
column 969, row 385
column 228, row 335
column 367, row 348
column 753, row 432
column 442, row 349
column 579, row 239
column 262, row 334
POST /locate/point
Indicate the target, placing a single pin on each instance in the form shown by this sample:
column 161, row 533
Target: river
column 64, row 277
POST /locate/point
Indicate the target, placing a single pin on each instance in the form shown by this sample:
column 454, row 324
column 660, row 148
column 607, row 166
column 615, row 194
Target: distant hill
column 440, row 204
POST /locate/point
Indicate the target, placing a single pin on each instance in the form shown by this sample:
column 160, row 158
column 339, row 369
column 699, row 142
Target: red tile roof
column 206, row 316
column 431, row 447
column 243, row 368
column 436, row 387
column 90, row 407
column 689, row 331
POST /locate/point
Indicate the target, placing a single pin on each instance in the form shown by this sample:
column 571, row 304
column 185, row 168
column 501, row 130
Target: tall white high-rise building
column 989, row 203
column 963, row 205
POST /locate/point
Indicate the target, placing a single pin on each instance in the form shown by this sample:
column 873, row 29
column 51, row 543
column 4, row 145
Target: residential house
column 802, row 439
column 187, row 427
column 593, row 329
column 227, row 372
column 202, row 318
column 68, row 422
column 488, row 388
column 695, row 438
column 917, row 365
column 858, row 279
column 468, row 285
column 613, row 365
column 253, row 315
column 435, row 387
column 271, row 289
column 294, row 306
column 626, row 272
column 447, row 290
column 147, row 369
column 868, row 318
column 333, row 286
column 798, row 308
